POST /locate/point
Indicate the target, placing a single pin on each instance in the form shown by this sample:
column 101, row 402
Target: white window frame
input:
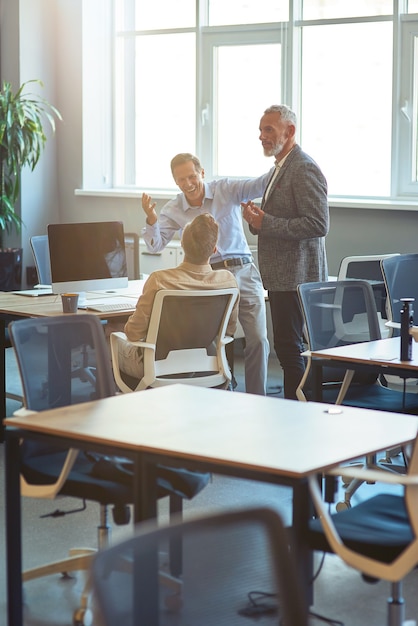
column 405, row 109
column 98, row 128
column 210, row 40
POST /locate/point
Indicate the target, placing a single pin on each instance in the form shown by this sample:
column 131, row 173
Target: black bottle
column 407, row 320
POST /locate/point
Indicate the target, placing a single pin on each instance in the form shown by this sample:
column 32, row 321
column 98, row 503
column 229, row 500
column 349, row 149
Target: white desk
column 236, row 434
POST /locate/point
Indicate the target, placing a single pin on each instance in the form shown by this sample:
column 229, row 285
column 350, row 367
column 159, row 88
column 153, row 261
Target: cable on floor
column 258, row 606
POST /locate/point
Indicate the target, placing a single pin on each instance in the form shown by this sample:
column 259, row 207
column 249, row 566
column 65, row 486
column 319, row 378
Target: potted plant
column 22, row 139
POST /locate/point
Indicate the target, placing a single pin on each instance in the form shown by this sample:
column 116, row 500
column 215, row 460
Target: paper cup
column 69, row 302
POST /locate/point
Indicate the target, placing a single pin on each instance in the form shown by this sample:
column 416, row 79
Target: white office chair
column 368, row 267
column 185, row 342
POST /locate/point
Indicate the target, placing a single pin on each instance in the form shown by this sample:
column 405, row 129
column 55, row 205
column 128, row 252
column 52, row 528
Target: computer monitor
column 87, row 257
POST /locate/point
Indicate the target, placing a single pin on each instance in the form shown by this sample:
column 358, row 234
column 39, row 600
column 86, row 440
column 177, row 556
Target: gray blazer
column 291, row 242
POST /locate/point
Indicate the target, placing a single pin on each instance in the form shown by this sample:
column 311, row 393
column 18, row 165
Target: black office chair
column 400, row 275
column 342, row 313
column 230, row 559
column 47, row 351
column 378, row 537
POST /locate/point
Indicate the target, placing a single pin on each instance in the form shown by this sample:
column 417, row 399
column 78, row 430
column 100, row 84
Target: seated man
column 195, row 272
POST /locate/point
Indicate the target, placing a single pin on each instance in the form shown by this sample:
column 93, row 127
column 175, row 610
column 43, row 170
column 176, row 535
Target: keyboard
column 109, row 307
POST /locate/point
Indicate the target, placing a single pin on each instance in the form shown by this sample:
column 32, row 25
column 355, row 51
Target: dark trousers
column 287, row 321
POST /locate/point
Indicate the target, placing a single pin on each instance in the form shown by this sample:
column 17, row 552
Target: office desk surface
column 242, row 435
column 235, row 430
column 17, row 305
column 382, row 353
column 48, row 306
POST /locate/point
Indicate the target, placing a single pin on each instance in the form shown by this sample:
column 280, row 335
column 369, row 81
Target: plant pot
column 11, row 269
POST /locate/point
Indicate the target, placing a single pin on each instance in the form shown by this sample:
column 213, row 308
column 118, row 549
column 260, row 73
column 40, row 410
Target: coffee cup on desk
column 69, row 302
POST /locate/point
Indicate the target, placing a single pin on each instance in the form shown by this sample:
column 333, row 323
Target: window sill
column 157, row 194
column 410, row 204
column 379, row 204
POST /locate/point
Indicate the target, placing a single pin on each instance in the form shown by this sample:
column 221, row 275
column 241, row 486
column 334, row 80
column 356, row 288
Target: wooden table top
column 50, row 305
column 383, row 352
column 237, row 430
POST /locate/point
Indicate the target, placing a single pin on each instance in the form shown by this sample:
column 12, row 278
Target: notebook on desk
column 109, row 304
column 109, row 307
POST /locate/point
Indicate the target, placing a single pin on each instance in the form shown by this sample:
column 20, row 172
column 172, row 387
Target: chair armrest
column 49, row 491
column 22, row 412
column 374, row 475
column 412, row 331
column 139, row 344
column 391, row 324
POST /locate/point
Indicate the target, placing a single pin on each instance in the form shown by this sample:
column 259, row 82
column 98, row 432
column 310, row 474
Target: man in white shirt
column 221, row 198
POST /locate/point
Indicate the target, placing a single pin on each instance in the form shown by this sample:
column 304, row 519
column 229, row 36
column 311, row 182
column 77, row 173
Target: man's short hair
column 286, row 113
column 199, row 239
column 185, row 157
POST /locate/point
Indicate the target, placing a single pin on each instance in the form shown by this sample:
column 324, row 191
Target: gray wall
column 48, row 45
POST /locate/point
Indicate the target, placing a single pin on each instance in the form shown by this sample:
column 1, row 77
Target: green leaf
column 22, row 139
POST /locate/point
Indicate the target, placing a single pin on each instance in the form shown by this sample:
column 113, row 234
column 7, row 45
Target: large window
column 196, row 76
column 346, row 105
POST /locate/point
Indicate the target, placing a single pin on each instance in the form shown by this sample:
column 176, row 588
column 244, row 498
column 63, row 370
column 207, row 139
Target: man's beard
column 276, row 149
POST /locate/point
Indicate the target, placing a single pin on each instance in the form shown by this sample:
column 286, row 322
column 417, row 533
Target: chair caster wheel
column 174, row 602
column 83, row 617
column 342, row 506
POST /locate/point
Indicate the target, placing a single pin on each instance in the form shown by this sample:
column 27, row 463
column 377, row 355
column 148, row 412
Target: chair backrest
column 183, row 319
column 132, row 255
column 339, row 313
column 400, row 274
column 40, row 251
column 226, row 556
column 188, row 328
column 362, row 267
column 369, row 268
column 49, row 349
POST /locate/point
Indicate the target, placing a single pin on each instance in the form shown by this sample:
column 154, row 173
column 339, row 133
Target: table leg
column 316, row 368
column 146, row 598
column 302, row 512
column 13, row 532
column 145, row 489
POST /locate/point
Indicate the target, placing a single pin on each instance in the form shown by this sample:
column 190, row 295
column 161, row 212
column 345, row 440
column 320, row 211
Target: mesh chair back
column 225, row 558
column 188, row 322
column 368, row 268
column 50, row 350
column 40, row 251
column 400, row 274
column 339, row 313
